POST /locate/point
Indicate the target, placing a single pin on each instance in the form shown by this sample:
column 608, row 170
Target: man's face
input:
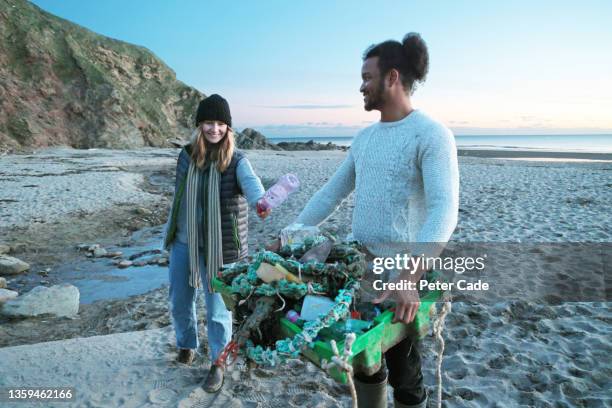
column 372, row 85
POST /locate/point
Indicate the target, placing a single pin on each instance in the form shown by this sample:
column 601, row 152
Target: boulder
column 4, row 249
column 2, row 283
column 12, row 266
column 59, row 300
column 125, row 264
column 99, row 252
column 6, row 294
column 252, row 139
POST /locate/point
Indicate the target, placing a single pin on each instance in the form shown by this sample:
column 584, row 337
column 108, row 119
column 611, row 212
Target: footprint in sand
column 162, row 396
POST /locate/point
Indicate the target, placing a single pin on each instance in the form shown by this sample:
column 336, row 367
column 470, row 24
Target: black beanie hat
column 214, row 108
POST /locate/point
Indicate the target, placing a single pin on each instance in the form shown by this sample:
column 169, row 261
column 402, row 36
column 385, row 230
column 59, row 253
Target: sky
column 292, row 68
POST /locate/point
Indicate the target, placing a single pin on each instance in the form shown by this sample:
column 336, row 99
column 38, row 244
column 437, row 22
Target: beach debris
column 12, row 266
column 271, row 273
column 6, row 294
column 4, row 249
column 58, row 300
column 2, row 283
column 292, row 316
column 277, row 278
column 314, row 306
column 318, row 253
column 263, row 309
column 292, row 347
column 278, row 193
column 298, row 233
column 342, row 363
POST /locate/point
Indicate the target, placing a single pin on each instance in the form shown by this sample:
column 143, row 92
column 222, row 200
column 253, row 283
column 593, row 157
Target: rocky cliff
column 61, row 84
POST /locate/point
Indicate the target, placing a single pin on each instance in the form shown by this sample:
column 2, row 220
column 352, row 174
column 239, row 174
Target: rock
column 19, row 247
column 59, row 300
column 4, row 249
column 143, row 211
column 99, row 252
column 162, row 261
column 2, row 283
column 6, row 294
column 12, row 266
column 252, row 139
column 310, row 145
column 125, row 264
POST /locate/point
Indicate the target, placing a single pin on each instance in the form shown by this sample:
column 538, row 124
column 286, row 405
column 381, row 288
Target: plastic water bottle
column 279, row 192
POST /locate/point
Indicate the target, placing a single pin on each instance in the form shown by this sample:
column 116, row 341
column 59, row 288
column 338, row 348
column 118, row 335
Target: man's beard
column 375, row 99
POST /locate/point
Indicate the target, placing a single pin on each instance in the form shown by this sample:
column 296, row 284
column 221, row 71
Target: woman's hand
column 261, row 213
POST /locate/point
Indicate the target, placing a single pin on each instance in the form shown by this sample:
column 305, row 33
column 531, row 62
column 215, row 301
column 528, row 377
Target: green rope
column 291, row 347
column 341, row 277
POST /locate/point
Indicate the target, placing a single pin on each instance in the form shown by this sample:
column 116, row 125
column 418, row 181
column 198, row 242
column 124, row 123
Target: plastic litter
column 279, row 192
column 315, row 306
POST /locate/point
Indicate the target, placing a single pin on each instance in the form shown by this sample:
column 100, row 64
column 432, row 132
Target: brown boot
column 185, row 356
column 214, row 380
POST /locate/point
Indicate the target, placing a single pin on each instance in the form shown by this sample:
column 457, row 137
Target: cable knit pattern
column 406, row 181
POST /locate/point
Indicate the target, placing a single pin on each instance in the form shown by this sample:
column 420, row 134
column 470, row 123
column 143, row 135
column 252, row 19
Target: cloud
column 307, row 106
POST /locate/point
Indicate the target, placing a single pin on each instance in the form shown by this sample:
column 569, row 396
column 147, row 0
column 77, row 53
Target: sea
column 600, row 143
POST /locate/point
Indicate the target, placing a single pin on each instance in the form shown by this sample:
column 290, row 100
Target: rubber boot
column 422, row 404
column 371, row 395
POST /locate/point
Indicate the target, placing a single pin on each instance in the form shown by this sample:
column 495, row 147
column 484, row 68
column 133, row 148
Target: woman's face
column 214, row 130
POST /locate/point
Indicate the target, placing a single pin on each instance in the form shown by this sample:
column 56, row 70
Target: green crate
column 368, row 347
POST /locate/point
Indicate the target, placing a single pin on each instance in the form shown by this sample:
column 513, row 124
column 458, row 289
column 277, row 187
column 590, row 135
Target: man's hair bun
column 417, row 56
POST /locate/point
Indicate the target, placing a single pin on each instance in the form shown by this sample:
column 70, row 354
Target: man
column 405, row 176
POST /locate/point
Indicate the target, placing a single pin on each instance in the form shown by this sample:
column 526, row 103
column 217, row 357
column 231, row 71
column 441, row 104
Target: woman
column 207, row 228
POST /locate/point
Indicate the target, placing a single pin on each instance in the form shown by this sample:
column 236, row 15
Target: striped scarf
column 211, row 217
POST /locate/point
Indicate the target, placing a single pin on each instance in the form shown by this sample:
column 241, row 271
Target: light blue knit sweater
column 406, row 183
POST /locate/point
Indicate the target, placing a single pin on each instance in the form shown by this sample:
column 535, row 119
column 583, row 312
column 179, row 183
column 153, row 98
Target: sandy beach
column 119, row 350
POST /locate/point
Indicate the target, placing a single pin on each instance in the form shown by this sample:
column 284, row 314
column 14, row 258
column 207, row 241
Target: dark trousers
column 403, row 362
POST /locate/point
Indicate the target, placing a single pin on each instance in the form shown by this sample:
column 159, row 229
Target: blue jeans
column 182, row 299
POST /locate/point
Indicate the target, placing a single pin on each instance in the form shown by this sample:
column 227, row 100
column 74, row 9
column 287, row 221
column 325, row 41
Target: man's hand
column 407, row 304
